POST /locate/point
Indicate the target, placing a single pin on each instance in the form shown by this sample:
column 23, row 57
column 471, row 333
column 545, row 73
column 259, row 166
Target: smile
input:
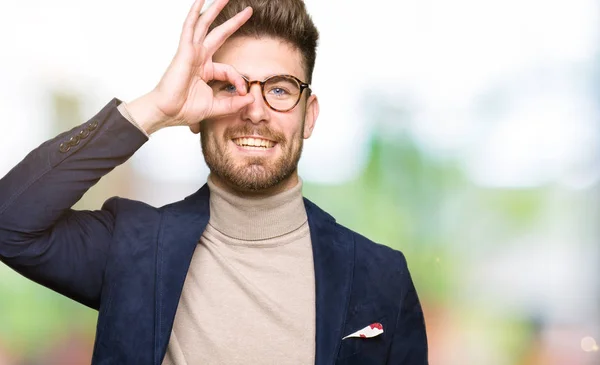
column 254, row 143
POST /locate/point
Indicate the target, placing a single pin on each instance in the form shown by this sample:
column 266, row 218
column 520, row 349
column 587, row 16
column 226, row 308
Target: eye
column 279, row 91
column 222, row 88
column 229, row 88
column 281, row 87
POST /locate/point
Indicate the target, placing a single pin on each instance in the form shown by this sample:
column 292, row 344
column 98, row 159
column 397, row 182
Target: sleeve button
column 84, row 133
column 93, row 125
column 74, row 141
column 64, row 148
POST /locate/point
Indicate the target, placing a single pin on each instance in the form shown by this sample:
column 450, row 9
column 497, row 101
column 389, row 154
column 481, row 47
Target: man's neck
column 254, row 218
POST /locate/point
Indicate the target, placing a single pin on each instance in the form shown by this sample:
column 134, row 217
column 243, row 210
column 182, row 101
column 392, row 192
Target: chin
column 252, row 173
column 256, row 178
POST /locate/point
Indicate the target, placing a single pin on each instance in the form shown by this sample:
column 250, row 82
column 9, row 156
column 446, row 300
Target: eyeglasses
column 280, row 92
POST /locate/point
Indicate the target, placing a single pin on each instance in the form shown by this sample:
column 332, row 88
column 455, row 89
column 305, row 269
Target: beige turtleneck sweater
column 249, row 295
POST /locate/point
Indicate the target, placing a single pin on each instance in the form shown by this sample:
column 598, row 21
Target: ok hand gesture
column 183, row 96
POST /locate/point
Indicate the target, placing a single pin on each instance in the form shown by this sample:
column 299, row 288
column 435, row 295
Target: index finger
column 207, row 18
column 187, row 34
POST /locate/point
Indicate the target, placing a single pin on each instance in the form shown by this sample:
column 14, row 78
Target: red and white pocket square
column 372, row 330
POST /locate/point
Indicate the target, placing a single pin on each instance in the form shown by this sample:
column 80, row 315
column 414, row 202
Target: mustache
column 253, row 130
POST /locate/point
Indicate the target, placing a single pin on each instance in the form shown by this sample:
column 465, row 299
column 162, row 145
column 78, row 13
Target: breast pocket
column 364, row 351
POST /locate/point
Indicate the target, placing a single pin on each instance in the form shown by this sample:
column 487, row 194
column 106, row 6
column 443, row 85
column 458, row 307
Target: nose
column 257, row 111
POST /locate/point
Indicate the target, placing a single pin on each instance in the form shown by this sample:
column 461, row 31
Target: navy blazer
column 129, row 260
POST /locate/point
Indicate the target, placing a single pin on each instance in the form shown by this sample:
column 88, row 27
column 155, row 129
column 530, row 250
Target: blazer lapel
column 181, row 227
column 333, row 254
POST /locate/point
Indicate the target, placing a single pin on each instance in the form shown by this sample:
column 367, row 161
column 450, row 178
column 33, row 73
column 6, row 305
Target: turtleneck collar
column 255, row 219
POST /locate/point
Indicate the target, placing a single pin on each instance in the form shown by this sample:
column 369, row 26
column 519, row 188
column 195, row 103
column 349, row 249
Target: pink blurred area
column 69, row 349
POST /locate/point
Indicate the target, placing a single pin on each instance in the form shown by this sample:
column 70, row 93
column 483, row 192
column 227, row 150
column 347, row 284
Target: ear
column 310, row 117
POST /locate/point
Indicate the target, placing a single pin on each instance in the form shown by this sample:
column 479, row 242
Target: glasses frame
column 303, row 85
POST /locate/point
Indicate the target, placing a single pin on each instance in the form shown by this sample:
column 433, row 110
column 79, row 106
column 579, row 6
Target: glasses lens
column 282, row 92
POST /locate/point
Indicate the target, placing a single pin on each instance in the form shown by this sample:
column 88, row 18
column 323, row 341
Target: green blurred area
column 34, row 318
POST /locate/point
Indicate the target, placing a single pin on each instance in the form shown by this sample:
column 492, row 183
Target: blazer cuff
column 122, row 108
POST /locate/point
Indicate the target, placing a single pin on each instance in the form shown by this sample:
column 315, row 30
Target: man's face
column 257, row 149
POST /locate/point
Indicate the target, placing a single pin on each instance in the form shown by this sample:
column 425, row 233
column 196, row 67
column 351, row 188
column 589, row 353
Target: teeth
column 254, row 142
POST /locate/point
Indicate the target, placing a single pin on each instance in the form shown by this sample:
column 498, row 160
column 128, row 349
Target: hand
column 183, row 97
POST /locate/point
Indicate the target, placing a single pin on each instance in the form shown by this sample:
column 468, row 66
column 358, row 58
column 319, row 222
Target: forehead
column 259, row 58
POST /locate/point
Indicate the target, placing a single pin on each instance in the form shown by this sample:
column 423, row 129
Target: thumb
column 231, row 105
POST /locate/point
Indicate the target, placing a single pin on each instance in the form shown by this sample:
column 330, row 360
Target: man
column 244, row 271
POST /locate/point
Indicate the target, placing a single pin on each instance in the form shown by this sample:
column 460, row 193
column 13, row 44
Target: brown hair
column 287, row 20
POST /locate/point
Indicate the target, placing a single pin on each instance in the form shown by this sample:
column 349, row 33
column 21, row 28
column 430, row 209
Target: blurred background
column 465, row 133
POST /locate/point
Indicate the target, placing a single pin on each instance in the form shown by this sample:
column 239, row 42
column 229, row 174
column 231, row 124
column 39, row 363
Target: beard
column 252, row 174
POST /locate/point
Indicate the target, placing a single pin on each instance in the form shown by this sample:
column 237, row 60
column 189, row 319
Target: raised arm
column 40, row 236
column 66, row 250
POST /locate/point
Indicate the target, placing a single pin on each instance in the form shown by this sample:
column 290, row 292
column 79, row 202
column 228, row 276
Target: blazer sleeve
column 41, row 237
column 409, row 343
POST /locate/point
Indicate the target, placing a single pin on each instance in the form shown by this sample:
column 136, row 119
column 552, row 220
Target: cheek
column 297, row 136
column 295, row 125
column 212, row 130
